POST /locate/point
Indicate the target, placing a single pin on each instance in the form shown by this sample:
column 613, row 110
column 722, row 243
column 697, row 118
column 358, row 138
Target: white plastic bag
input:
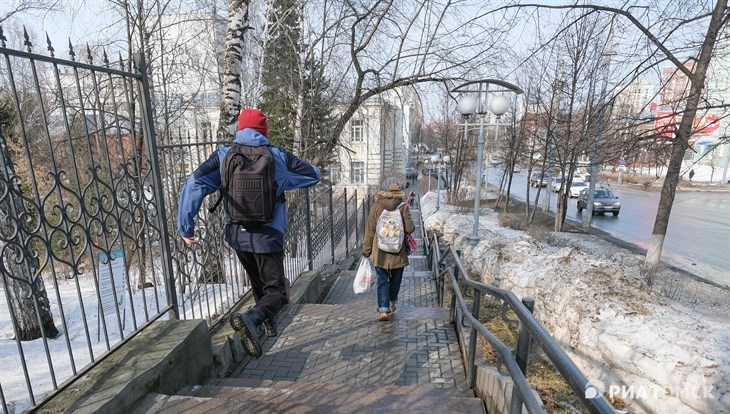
column 364, row 277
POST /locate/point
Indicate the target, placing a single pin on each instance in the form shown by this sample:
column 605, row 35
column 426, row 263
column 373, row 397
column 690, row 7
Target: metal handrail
column 531, row 328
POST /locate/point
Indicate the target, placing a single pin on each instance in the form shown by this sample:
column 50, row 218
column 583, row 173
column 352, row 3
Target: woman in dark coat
column 388, row 266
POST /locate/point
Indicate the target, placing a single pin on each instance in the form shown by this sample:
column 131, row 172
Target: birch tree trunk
column 25, row 291
column 231, row 88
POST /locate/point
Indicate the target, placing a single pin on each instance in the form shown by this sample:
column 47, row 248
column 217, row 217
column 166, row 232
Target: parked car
column 556, row 184
column 576, row 187
column 603, row 201
column 539, row 179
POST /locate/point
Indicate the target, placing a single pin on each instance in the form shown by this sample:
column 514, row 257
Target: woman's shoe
column 383, row 317
column 392, row 308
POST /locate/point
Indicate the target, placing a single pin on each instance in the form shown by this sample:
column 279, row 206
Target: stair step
column 366, row 312
column 223, row 399
column 406, row 273
column 427, row 390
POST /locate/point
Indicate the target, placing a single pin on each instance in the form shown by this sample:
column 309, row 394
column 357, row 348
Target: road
column 698, row 236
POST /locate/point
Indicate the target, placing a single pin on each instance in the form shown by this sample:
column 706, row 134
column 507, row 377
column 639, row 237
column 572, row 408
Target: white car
column 556, row 184
column 576, row 187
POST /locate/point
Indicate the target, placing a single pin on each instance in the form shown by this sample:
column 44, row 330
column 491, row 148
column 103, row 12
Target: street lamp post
column 428, row 172
column 439, row 161
column 468, row 105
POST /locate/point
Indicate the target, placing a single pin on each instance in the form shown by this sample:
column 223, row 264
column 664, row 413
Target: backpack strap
column 221, row 194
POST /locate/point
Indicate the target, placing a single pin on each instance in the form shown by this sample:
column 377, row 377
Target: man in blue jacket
column 260, row 249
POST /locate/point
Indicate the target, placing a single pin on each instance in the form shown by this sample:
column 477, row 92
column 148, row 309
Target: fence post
column 310, row 253
column 522, row 356
column 332, row 224
column 357, row 226
column 347, row 227
column 149, row 135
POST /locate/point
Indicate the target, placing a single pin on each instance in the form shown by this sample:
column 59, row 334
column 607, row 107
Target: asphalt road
column 698, row 236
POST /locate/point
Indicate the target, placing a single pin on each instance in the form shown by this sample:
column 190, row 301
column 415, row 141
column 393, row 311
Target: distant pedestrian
column 691, row 175
column 258, row 239
column 389, row 263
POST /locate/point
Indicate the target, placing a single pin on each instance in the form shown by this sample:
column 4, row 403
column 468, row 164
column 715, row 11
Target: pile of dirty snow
column 656, row 355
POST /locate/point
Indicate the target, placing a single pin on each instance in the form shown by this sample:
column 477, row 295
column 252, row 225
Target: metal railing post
column 347, row 227
column 357, row 226
column 332, row 224
column 522, row 356
column 157, row 187
column 310, row 253
column 472, row 368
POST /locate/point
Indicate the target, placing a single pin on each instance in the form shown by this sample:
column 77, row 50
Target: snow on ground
column 702, row 173
column 198, row 303
column 658, row 355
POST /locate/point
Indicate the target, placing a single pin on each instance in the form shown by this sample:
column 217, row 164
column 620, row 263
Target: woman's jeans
column 388, row 287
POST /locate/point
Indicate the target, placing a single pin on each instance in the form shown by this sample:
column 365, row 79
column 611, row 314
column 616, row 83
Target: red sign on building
column 666, row 122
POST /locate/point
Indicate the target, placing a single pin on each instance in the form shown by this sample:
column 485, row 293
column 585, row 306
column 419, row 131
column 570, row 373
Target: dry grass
column 556, row 394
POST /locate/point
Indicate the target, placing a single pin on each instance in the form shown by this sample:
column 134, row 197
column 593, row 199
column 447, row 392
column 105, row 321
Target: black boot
column 269, row 327
column 245, row 326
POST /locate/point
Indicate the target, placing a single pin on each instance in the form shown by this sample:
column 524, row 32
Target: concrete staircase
column 337, row 357
column 235, row 395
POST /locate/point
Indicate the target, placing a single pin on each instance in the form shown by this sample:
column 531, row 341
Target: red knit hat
column 253, row 118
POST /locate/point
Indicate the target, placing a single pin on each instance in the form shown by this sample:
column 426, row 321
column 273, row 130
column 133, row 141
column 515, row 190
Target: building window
column 335, row 173
column 356, row 130
column 207, row 131
column 358, row 173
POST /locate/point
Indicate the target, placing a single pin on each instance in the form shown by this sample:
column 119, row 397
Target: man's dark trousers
column 266, row 273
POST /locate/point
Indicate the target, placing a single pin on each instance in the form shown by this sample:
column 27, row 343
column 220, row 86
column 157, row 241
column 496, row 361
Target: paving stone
column 337, row 357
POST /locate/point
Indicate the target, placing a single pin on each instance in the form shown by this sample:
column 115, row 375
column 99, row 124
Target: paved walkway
column 337, row 357
column 343, row 341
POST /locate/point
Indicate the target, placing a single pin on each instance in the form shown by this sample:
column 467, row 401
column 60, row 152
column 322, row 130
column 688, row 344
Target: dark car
column 603, row 201
column 539, row 179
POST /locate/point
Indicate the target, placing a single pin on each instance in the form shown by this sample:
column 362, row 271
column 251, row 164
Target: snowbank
column 658, row 356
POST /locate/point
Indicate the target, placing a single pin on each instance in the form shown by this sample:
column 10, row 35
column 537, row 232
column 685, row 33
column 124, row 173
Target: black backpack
column 248, row 185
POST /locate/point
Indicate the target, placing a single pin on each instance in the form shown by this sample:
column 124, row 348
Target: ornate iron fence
column 88, row 201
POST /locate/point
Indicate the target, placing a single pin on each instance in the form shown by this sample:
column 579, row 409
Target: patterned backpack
column 390, row 230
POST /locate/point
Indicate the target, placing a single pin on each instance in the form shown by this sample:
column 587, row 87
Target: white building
column 189, row 70
column 375, row 143
column 634, row 99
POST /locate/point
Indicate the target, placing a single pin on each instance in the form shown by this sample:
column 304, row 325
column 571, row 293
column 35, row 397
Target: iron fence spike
column 2, row 37
column 88, row 54
column 71, row 50
column 105, row 58
column 50, row 46
column 26, row 42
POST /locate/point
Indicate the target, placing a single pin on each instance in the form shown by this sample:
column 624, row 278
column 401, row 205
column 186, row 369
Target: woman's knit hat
column 391, row 184
column 255, row 119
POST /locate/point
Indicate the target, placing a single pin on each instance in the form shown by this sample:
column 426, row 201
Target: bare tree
column 391, row 44
column 18, row 7
column 662, row 43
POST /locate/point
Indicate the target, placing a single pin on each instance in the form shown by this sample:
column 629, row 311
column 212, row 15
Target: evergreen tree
column 317, row 119
column 281, row 77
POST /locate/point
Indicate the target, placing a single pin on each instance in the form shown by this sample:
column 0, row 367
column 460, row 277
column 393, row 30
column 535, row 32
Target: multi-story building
column 712, row 149
column 708, row 144
column 189, row 70
column 634, row 99
column 375, row 143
